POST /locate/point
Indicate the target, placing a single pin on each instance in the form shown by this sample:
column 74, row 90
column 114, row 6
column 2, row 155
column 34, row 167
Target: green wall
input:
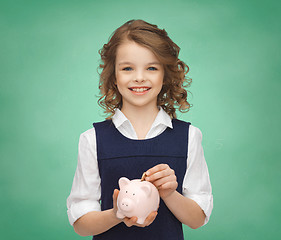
column 49, row 58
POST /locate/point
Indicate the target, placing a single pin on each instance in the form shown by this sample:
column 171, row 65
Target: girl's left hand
column 164, row 178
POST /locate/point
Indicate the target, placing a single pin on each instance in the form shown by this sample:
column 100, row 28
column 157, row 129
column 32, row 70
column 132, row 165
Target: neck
column 141, row 117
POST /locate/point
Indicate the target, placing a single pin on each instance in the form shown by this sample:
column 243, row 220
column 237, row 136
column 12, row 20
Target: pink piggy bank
column 136, row 198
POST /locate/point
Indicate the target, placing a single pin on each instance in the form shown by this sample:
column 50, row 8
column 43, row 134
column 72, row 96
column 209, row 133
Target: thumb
column 114, row 197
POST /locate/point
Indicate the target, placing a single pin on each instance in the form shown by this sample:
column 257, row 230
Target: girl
column 141, row 81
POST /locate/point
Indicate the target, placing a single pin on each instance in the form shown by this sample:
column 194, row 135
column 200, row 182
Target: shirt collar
column 119, row 118
column 162, row 118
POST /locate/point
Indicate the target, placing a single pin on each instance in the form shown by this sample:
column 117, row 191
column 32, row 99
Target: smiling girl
column 141, row 83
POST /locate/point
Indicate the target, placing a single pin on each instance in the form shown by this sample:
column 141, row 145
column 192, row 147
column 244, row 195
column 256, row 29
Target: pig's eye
column 126, row 191
column 134, row 194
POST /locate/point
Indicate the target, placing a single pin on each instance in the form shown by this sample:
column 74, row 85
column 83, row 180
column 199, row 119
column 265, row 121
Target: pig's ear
column 146, row 189
column 123, row 182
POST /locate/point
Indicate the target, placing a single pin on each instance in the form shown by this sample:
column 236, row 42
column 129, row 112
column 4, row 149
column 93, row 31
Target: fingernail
column 147, row 173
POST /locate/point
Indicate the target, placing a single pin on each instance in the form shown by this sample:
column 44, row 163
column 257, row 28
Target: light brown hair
column 172, row 94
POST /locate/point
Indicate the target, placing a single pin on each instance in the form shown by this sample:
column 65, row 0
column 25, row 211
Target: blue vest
column 119, row 156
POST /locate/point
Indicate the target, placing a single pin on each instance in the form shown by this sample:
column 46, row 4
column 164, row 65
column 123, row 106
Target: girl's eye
column 127, row 69
column 152, row 68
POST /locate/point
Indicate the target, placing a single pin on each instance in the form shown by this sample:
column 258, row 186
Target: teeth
column 139, row 89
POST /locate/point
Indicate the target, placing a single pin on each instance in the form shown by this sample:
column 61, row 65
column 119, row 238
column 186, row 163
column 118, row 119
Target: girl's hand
column 133, row 220
column 164, row 178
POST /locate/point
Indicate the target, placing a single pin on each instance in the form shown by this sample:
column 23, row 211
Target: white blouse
column 86, row 190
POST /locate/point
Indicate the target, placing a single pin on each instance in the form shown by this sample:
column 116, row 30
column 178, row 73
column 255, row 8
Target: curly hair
column 172, row 94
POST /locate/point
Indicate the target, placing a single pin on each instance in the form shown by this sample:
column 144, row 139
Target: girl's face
column 139, row 75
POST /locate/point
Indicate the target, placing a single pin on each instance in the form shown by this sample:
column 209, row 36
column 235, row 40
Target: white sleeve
column 196, row 184
column 85, row 193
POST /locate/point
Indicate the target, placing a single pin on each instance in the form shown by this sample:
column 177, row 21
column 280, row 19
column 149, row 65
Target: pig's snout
column 127, row 204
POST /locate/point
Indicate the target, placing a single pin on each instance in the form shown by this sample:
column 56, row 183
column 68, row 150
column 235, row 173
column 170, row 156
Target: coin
column 143, row 177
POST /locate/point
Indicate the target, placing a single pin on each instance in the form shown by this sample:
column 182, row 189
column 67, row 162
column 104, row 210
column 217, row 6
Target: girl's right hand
column 133, row 220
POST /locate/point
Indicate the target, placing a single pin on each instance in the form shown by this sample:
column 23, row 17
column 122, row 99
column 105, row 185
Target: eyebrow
column 152, row 63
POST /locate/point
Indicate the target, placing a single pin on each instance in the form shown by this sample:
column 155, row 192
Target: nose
column 126, row 204
column 139, row 77
column 139, row 80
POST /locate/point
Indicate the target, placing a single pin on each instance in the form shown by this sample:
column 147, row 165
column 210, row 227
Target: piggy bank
column 136, row 198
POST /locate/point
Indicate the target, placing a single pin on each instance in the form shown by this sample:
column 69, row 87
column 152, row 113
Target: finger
column 160, row 174
column 150, row 219
column 158, row 183
column 169, row 185
column 157, row 168
column 130, row 221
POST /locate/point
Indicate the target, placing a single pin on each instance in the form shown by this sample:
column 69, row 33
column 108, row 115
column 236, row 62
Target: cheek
column 122, row 85
column 122, row 79
column 160, row 81
column 120, row 89
column 119, row 82
column 161, row 76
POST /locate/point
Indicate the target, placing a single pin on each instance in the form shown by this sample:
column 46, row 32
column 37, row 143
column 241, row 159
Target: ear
column 146, row 188
column 123, row 182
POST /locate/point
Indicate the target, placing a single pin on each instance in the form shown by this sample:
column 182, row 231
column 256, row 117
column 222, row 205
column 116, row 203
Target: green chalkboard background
column 49, row 87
